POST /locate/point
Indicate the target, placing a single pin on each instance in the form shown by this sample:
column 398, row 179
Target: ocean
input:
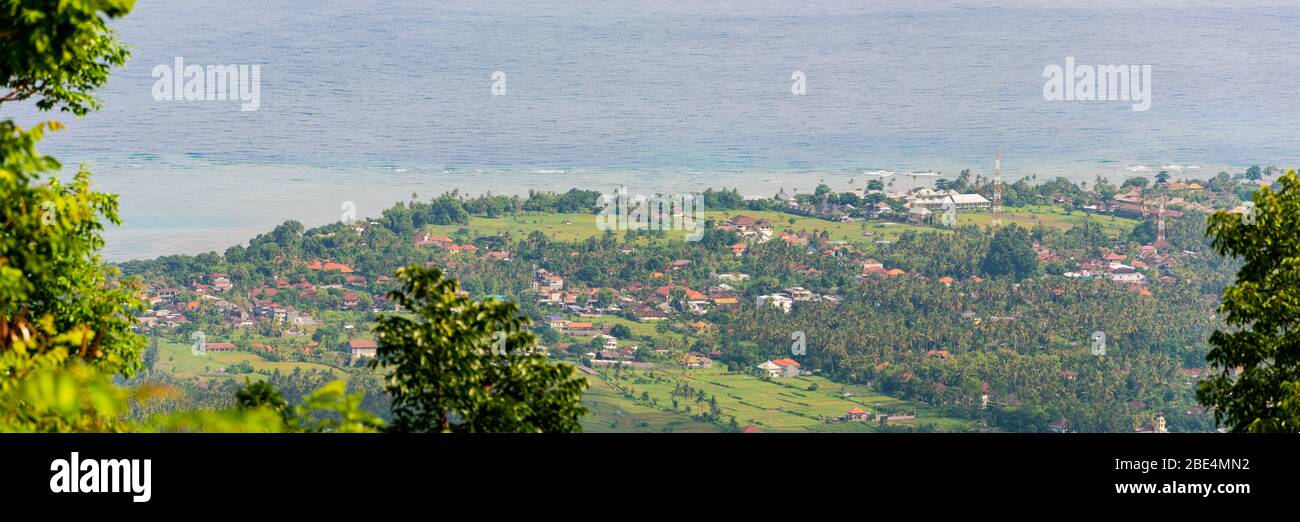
column 372, row 102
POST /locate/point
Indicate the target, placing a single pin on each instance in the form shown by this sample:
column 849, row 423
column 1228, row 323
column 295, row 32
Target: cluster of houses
column 1157, row 259
column 580, row 328
column 259, row 304
column 925, row 204
column 431, row 240
column 1132, row 204
column 750, row 228
column 856, row 414
column 637, row 301
column 611, row 354
column 785, row 300
column 779, row 368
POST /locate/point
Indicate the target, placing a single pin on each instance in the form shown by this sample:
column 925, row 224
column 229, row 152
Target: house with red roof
column 691, row 295
column 362, row 348
column 338, row 267
column 219, row 347
column 750, row 226
column 789, row 367
column 857, row 415
column 427, row 239
column 643, row 313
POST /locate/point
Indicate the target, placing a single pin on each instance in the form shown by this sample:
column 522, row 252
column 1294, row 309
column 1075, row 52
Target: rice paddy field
column 791, row 404
column 610, row 412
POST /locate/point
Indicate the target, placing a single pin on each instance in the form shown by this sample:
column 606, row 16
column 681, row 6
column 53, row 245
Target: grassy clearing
column 637, row 328
column 1051, row 216
column 578, row 227
column 779, row 405
column 557, row 227
column 178, row 359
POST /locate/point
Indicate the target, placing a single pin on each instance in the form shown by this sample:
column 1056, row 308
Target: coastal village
column 284, row 318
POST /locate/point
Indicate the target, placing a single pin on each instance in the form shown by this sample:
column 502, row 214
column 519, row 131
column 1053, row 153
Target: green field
column 637, row 328
column 178, row 359
column 781, row 405
column 857, row 231
column 609, row 412
column 1048, row 215
column 580, row 227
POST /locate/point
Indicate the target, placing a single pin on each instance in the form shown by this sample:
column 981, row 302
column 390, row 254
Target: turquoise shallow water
column 368, row 103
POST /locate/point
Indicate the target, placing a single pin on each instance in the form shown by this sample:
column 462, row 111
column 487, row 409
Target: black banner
column 305, row 473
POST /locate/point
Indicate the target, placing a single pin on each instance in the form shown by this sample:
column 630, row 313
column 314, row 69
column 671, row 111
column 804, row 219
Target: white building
column 800, row 293
column 782, row 301
column 959, row 201
column 1126, row 275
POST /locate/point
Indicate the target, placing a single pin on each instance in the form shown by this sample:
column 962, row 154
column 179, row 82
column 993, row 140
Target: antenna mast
column 997, row 188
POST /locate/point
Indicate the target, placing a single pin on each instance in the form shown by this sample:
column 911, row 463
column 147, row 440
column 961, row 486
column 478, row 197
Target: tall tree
column 1263, row 314
column 58, row 301
column 459, row 365
column 1011, row 253
column 65, row 318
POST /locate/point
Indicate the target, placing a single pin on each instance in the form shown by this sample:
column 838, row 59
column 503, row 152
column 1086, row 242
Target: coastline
column 191, row 206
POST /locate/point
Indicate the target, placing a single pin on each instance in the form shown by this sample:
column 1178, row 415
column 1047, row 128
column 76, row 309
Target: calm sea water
column 370, row 102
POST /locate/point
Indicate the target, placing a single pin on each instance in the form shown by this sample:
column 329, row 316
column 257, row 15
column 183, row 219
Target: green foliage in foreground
column 58, row 52
column 58, row 301
column 65, row 318
column 467, row 366
column 1263, row 308
column 261, row 408
column 82, row 399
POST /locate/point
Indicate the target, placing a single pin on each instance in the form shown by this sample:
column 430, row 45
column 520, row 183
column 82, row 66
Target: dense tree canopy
column 58, row 52
column 1011, row 253
column 1262, row 310
column 59, row 303
column 463, row 365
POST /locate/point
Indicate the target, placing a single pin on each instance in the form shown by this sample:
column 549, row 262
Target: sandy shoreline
column 191, row 207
